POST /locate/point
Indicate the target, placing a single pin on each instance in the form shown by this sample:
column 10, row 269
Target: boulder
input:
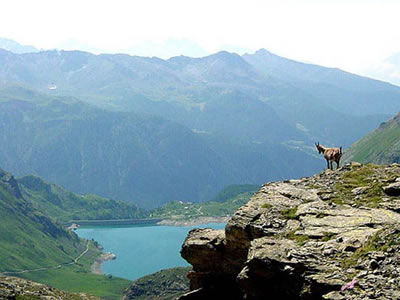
column 330, row 236
column 392, row 189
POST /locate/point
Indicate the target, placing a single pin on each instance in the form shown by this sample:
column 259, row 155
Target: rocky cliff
column 166, row 284
column 335, row 235
column 18, row 288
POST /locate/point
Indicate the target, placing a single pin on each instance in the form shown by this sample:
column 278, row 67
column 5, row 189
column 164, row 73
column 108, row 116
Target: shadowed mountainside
column 138, row 158
column 220, row 119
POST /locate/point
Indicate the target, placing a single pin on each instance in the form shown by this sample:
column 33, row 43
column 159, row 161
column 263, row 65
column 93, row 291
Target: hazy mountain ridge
column 63, row 205
column 122, row 155
column 188, row 90
column 111, row 154
column 13, row 46
column 339, row 90
column 238, row 122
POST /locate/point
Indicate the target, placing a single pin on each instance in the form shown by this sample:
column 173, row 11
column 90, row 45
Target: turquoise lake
column 141, row 250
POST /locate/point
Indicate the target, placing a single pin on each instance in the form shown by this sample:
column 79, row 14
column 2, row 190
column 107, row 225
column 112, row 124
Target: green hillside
column 225, row 204
column 29, row 239
column 382, row 146
column 233, row 190
column 34, row 247
column 78, row 278
column 64, row 206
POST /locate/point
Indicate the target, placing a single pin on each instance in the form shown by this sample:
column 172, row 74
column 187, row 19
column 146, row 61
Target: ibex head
column 319, row 148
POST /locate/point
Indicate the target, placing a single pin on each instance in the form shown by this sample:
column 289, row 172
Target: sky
column 359, row 36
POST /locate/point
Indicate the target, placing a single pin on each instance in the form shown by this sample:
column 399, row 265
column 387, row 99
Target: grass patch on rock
column 289, row 213
column 328, row 236
column 300, row 239
column 367, row 176
column 380, row 241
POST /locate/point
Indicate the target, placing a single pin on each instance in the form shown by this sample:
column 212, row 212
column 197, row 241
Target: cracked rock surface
column 335, row 235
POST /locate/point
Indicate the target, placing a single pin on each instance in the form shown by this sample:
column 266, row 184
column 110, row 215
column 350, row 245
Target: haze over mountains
column 177, row 129
column 13, row 46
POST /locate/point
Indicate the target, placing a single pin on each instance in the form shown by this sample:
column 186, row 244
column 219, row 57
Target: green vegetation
column 266, row 205
column 77, row 278
column 328, row 236
column 299, row 238
column 289, row 213
column 362, row 177
column 178, row 210
column 233, row 190
column 64, row 206
column 381, row 146
column 30, row 240
column 380, row 241
column 164, row 285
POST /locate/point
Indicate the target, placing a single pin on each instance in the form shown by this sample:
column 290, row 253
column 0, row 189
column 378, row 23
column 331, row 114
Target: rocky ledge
column 18, row 288
column 335, row 235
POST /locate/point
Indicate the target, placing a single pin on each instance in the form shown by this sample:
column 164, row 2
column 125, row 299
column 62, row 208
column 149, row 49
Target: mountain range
column 148, row 130
column 13, row 46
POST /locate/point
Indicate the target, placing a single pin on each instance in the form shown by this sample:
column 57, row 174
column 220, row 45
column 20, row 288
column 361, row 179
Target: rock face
column 163, row 285
column 18, row 288
column 335, row 235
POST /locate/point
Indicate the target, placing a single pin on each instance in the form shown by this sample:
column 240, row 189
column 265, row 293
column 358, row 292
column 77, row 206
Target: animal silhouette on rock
column 331, row 155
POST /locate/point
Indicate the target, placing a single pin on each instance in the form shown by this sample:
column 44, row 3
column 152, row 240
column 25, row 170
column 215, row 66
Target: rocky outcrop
column 9, row 182
column 335, row 235
column 163, row 285
column 18, row 288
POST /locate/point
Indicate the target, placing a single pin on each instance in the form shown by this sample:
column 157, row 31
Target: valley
column 124, row 125
column 138, row 151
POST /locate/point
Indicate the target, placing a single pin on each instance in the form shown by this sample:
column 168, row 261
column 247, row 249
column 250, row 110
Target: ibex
column 331, row 155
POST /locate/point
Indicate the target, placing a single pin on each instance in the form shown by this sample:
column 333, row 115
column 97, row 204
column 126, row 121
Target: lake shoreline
column 141, row 250
column 73, row 225
column 193, row 222
column 96, row 266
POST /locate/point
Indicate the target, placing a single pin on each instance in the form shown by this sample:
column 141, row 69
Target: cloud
column 386, row 70
column 348, row 34
column 168, row 48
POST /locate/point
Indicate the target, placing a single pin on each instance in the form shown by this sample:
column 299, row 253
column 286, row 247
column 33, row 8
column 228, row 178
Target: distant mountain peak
column 263, row 51
column 224, row 55
column 227, row 57
column 15, row 47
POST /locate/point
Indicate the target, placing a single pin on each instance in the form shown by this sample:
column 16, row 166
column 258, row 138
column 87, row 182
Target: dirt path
column 74, row 261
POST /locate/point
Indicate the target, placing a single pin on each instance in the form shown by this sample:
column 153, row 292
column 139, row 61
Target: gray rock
column 18, row 288
column 304, row 244
column 392, row 189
